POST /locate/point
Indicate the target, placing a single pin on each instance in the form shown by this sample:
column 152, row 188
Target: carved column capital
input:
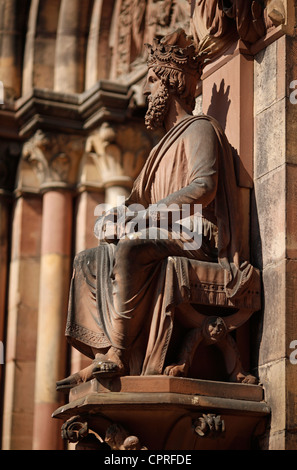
column 49, row 161
column 118, row 153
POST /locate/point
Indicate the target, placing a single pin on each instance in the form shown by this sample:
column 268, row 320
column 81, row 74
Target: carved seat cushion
column 207, row 286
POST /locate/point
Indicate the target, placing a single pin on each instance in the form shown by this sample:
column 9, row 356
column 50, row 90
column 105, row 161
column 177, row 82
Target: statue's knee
column 126, row 249
column 131, row 253
column 84, row 257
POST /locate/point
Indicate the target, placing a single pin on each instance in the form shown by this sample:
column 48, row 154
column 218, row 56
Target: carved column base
column 163, row 413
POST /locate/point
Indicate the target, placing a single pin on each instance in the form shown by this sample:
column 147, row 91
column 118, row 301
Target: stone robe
column 125, row 294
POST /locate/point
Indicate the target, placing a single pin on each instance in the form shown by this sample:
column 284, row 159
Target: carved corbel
column 74, row 429
column 209, row 425
column 49, row 161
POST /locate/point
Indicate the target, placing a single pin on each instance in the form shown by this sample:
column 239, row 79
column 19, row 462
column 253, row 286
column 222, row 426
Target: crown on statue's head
column 175, row 51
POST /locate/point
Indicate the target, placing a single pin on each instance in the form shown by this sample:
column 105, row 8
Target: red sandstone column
column 53, row 297
column 87, row 201
column 70, row 47
column 4, row 224
column 21, row 335
column 11, row 52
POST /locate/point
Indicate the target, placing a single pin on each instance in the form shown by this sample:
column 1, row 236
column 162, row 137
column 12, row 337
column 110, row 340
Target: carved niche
column 138, row 22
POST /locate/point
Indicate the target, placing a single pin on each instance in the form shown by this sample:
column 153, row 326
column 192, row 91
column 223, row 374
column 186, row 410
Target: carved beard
column 157, row 109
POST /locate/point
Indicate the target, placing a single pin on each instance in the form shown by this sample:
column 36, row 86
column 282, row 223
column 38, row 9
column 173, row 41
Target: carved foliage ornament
column 119, row 153
column 53, row 158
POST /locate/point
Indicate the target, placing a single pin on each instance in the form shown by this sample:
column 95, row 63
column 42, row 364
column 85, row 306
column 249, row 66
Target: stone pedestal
column 165, row 413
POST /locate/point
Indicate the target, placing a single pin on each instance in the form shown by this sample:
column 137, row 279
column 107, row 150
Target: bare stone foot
column 244, row 378
column 73, row 380
column 176, row 370
column 108, row 366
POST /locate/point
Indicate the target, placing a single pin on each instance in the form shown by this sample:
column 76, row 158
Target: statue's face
column 158, row 98
column 152, row 84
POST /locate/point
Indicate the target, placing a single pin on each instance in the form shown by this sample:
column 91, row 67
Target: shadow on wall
column 220, row 103
column 219, row 109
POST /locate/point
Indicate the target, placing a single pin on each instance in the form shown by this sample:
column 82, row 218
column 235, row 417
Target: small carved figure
column 126, row 293
column 217, row 23
column 119, row 439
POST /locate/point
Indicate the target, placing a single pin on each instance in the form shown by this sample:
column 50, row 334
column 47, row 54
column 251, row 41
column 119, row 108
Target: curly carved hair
column 178, row 82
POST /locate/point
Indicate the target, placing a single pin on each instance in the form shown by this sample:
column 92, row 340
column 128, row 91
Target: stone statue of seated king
column 170, row 276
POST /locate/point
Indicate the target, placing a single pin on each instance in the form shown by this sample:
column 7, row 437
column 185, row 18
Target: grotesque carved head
column 173, row 62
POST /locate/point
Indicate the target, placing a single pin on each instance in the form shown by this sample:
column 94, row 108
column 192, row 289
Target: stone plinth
column 169, row 413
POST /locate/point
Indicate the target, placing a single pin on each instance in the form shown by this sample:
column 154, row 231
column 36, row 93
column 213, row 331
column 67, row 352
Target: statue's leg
column 82, row 328
column 136, row 283
column 135, row 277
column 233, row 363
column 190, row 344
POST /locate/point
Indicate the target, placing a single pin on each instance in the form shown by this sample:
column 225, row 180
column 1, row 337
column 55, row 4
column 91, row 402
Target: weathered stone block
column 291, row 211
column 274, row 307
column 273, row 377
column 271, row 217
column 270, row 138
column 265, row 78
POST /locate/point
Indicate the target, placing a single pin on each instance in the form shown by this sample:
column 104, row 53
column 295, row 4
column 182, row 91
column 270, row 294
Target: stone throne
column 188, row 412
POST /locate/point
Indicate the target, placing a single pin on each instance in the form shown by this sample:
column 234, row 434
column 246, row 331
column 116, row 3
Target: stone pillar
column 4, row 248
column 11, row 47
column 274, row 242
column 21, row 324
column 55, row 159
column 19, row 300
column 53, row 293
column 40, row 45
column 99, row 51
column 90, row 194
column 9, row 156
column 71, row 46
